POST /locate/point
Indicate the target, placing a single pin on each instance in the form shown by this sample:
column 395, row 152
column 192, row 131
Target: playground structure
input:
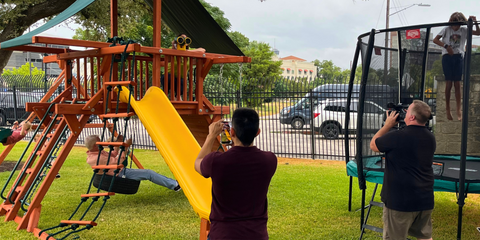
column 93, row 89
column 407, row 66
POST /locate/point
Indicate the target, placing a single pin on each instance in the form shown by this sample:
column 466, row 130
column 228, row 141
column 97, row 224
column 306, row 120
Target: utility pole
column 385, row 66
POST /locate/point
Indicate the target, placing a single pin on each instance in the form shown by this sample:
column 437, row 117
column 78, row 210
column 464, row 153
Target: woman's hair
column 457, row 17
column 90, row 141
column 27, row 126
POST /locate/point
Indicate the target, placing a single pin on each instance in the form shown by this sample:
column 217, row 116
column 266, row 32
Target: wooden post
column 204, row 229
column 34, row 217
column 113, row 18
column 157, row 40
column 5, row 152
column 68, row 77
column 199, row 88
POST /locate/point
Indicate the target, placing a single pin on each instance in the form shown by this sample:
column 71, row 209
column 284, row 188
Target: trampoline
column 406, row 60
column 446, row 169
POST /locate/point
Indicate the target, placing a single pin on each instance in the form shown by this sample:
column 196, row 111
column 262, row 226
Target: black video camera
column 401, row 109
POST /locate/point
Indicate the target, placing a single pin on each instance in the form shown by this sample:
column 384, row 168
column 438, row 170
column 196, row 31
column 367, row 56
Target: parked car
column 330, row 117
column 7, row 106
column 300, row 114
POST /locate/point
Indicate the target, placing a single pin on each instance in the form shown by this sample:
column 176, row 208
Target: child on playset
column 130, row 173
column 180, row 42
column 19, row 131
column 453, row 39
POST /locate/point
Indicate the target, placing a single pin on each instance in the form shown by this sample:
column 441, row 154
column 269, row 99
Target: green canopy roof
column 27, row 38
column 191, row 18
column 186, row 16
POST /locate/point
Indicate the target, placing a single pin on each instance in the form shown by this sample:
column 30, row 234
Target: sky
column 323, row 29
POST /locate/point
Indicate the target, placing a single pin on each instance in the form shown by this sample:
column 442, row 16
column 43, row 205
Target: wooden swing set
column 93, row 73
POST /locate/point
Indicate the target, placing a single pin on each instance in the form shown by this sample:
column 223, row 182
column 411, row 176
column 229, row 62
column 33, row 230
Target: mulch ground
column 8, row 166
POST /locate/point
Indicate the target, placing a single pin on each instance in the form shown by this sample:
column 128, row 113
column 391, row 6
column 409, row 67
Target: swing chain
column 240, row 66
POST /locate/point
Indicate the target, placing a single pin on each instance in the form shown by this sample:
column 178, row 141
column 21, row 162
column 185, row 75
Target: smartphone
column 225, row 136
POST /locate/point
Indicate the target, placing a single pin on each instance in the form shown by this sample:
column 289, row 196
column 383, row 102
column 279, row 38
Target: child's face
column 455, row 27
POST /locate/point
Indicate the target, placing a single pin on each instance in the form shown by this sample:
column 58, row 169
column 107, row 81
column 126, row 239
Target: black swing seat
column 120, row 185
column 5, row 133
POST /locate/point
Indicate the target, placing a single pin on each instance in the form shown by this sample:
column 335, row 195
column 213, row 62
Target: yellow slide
column 176, row 143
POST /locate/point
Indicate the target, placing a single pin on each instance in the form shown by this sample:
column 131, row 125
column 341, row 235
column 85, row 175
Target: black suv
column 7, row 106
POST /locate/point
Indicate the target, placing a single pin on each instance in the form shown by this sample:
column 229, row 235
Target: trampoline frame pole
column 401, row 63
column 365, row 71
column 359, row 156
column 362, row 211
column 347, row 118
column 463, row 148
column 350, row 191
column 424, row 64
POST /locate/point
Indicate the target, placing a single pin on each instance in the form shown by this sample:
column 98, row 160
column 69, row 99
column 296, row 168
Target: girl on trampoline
column 453, row 39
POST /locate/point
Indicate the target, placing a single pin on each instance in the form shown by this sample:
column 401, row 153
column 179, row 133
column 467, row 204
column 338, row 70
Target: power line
column 380, row 14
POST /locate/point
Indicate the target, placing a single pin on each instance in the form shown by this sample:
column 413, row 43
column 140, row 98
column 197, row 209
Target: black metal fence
column 299, row 118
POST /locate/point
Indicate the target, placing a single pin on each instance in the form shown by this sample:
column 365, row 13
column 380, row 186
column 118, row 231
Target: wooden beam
column 73, row 124
column 204, row 229
column 26, row 48
column 157, row 41
column 67, row 93
column 157, row 23
column 78, row 108
column 93, row 101
column 54, row 87
column 231, row 59
column 218, row 58
column 172, row 52
column 206, row 67
column 208, row 104
column 69, row 42
column 40, row 112
column 105, row 68
column 113, row 18
column 50, row 59
column 100, row 52
column 5, row 152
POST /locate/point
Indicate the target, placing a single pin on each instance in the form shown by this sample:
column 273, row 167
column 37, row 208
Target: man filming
column 408, row 180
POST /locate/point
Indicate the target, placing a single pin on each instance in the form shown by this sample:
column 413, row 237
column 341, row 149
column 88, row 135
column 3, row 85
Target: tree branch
column 24, row 15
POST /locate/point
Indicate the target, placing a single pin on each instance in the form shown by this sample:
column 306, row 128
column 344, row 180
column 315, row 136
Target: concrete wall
column 448, row 133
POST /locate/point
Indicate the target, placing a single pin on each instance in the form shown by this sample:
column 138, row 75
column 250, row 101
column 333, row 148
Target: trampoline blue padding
column 446, row 171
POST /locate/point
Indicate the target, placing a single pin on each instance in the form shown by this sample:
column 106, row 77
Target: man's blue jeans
column 147, row 174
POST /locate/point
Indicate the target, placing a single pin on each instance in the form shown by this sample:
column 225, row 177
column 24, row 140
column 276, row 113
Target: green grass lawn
column 307, row 200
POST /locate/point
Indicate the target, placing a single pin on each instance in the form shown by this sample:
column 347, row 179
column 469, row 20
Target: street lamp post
column 387, row 26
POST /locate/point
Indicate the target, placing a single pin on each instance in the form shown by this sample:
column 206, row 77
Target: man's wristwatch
column 445, row 46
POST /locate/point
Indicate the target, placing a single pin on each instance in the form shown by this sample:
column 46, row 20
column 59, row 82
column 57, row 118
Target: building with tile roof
column 294, row 67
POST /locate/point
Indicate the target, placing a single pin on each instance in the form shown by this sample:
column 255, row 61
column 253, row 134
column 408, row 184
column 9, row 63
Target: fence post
column 312, row 133
column 15, row 102
column 239, row 99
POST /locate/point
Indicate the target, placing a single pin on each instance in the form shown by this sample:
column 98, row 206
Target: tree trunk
column 24, row 16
